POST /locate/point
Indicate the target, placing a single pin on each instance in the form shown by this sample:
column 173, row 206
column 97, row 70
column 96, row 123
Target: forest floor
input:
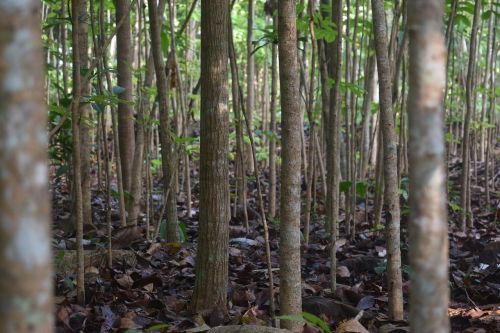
column 150, row 284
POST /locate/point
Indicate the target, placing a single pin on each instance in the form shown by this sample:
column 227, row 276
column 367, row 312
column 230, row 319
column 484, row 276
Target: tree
column 465, row 214
column 124, row 74
column 272, row 124
column 250, row 103
column 290, row 274
column 428, row 224
column 391, row 192
column 85, row 114
column 25, row 254
column 332, row 139
column 77, row 165
column 210, row 290
column 168, row 158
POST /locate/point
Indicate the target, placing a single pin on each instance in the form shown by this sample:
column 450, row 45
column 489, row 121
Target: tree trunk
column 272, row 126
column 332, row 141
column 25, row 255
column 428, row 223
column 365, row 128
column 77, row 176
column 211, row 283
column 391, row 190
column 85, row 112
column 290, row 277
column 169, row 160
column 250, row 105
column 469, row 92
column 125, row 111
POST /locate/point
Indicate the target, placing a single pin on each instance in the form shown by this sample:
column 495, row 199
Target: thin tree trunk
column 77, row 177
column 332, row 142
column 468, row 115
column 290, row 277
column 312, row 126
column 169, row 160
column 250, row 103
column 237, row 103
column 391, row 191
column 365, row 134
column 84, row 111
column 124, row 52
column 272, row 126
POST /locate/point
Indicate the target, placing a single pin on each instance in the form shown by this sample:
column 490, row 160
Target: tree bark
column 211, row 283
column 332, row 141
column 428, row 223
column 391, row 190
column 125, row 111
column 272, row 126
column 469, row 92
column 85, row 112
column 77, row 176
column 250, row 103
column 290, row 277
column 169, row 160
column 25, row 256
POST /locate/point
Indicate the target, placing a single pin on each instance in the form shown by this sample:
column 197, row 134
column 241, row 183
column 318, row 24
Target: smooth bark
column 25, row 255
column 428, row 223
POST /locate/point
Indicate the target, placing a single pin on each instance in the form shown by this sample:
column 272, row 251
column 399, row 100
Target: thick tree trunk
column 391, row 190
column 428, row 224
column 290, row 277
column 125, row 111
column 25, row 256
column 211, row 284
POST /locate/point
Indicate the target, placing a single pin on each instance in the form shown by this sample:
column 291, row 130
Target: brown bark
column 312, row 125
column 332, row 141
column 211, row 283
column 290, row 277
column 428, row 223
column 125, row 111
column 77, row 177
column 25, row 256
column 85, row 112
column 391, row 188
column 469, row 92
column 169, row 160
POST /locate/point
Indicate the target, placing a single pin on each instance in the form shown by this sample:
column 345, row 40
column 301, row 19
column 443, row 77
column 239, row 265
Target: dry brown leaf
column 352, row 325
column 343, row 272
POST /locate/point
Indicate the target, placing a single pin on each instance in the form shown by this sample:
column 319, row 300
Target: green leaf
column 182, row 231
column 165, row 44
column 361, row 189
column 345, row 185
column 316, row 321
column 157, row 327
